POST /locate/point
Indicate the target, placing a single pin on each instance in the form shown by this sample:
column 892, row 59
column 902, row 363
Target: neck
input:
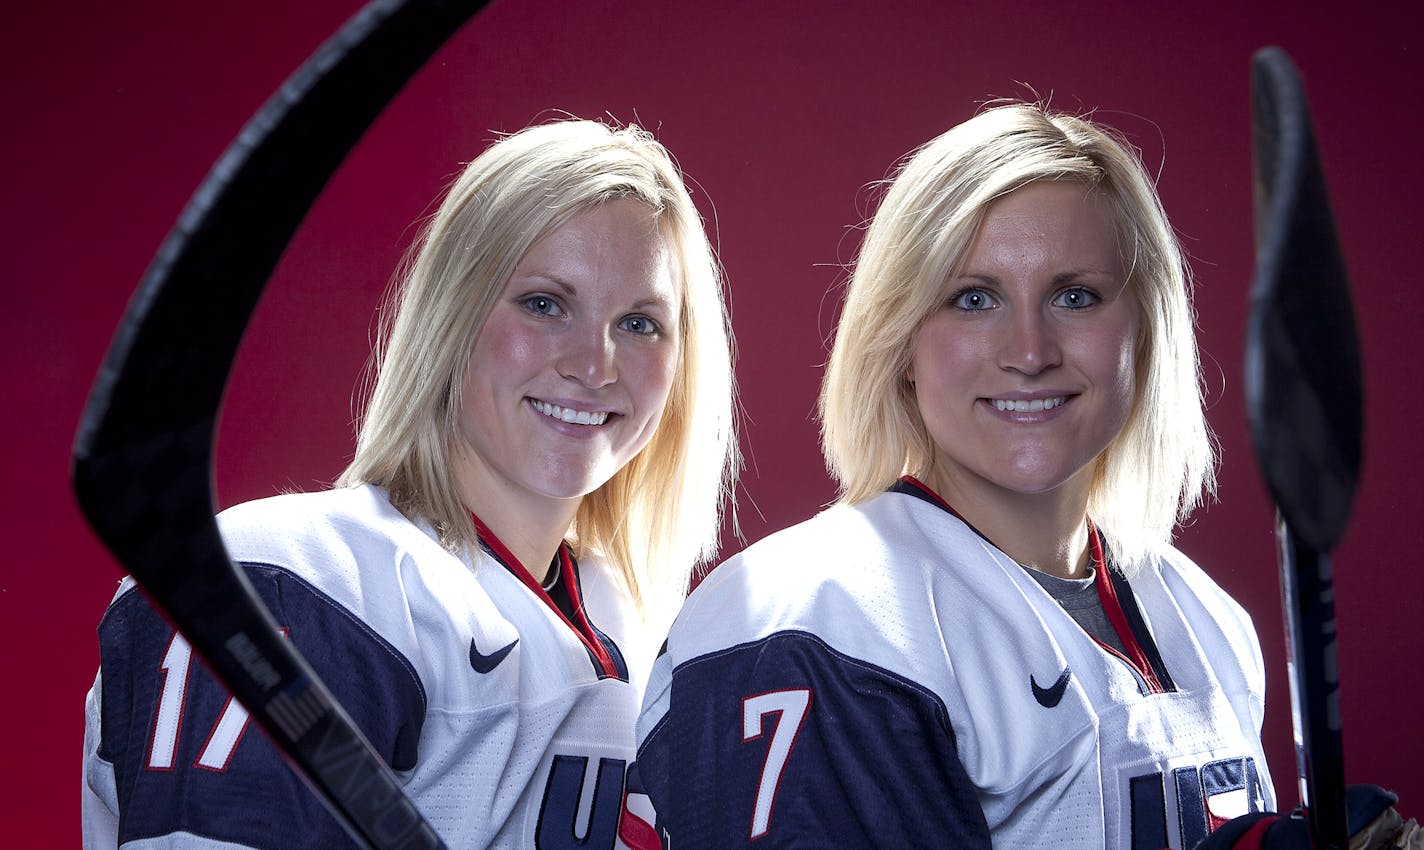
column 1047, row 532
column 531, row 527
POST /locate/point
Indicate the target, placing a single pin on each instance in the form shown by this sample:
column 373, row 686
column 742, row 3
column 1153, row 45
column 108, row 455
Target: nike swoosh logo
column 1052, row 695
column 485, row 663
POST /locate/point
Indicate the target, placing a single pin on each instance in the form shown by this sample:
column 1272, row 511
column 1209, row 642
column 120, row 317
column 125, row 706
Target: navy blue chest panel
column 185, row 756
column 785, row 742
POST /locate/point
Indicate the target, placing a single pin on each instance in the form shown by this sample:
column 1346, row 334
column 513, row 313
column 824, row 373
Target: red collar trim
column 582, row 629
column 1113, row 609
column 1107, row 594
column 939, row 500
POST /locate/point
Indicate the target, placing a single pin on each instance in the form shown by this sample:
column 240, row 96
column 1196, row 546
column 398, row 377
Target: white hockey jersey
column 882, row 676
column 508, row 727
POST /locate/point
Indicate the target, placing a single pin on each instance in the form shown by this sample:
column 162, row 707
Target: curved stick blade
column 142, row 458
column 1302, row 371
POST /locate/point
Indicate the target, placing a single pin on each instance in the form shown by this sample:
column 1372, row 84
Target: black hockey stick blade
column 1304, row 403
column 142, row 465
column 1302, row 377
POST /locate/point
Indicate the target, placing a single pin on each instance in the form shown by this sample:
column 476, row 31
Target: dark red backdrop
column 782, row 117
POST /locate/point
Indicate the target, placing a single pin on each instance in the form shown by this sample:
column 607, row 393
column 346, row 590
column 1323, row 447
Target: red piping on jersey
column 1136, row 657
column 1113, row 608
column 566, row 575
column 635, row 832
column 910, row 479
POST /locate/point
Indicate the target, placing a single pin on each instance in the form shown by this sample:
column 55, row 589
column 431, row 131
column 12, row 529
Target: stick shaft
column 1308, row 598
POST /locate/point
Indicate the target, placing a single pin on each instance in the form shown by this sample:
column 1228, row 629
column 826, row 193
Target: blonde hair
column 1154, row 473
column 659, row 516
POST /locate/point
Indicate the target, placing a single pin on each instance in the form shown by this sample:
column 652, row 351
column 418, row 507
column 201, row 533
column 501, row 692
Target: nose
column 1030, row 343
column 590, row 358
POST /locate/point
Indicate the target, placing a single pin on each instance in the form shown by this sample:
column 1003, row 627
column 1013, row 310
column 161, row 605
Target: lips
column 570, row 415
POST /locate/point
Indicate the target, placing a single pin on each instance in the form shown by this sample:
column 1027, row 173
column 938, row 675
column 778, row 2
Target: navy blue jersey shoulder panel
column 859, row 743
column 186, row 759
column 369, row 676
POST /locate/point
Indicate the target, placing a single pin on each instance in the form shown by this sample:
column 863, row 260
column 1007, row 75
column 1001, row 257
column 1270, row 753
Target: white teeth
column 1024, row 406
column 573, row 417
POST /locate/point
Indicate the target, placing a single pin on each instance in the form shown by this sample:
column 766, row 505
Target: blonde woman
column 542, row 463
column 989, row 640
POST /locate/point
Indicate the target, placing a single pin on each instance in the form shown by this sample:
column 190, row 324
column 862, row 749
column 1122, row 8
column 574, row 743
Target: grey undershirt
column 1080, row 599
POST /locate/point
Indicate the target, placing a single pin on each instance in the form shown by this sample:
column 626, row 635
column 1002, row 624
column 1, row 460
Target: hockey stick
column 142, row 465
column 1303, row 400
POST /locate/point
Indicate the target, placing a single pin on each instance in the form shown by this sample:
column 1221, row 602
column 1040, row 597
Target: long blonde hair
column 659, row 516
column 1155, row 472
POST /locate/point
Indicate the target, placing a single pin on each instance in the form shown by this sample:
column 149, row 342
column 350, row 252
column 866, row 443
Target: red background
column 782, row 117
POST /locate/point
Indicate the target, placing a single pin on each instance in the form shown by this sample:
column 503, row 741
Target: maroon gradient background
column 782, row 117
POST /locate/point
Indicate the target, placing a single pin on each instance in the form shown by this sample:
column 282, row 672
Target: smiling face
column 570, row 373
column 1025, row 372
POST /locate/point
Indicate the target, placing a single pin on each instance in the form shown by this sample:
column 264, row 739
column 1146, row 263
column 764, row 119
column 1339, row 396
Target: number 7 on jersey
column 790, row 707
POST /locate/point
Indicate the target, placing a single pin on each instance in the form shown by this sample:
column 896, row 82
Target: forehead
column 619, row 246
column 1057, row 221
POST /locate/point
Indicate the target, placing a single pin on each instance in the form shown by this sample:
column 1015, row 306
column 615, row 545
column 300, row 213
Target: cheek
column 1118, row 356
column 944, row 357
column 506, row 349
column 657, row 373
column 647, row 370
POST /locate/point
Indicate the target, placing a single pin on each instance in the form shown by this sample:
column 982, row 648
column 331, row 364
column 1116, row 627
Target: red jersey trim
column 583, row 630
column 1136, row 656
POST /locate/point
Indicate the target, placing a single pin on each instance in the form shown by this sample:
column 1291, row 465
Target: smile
column 1028, row 406
column 569, row 415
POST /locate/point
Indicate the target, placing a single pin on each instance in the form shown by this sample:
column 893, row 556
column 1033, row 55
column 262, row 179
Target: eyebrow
column 567, row 287
column 1058, row 279
column 1067, row 277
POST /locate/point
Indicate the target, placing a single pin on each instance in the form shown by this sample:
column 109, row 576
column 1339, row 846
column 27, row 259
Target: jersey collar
column 568, row 576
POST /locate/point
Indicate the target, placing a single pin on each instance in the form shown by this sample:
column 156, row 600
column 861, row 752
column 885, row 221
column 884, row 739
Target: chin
column 1040, row 481
column 575, row 484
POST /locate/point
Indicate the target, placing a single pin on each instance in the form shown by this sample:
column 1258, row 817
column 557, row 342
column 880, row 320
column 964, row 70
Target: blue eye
column 972, row 300
column 641, row 325
column 541, row 305
column 1076, row 298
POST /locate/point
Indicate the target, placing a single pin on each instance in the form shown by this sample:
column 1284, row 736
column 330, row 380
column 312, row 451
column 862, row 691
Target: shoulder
column 777, row 582
column 291, row 526
column 350, row 545
column 1174, row 586
column 1184, row 578
column 846, row 574
column 859, row 590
